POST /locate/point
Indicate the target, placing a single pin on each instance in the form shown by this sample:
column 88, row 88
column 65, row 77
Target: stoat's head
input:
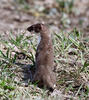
column 36, row 28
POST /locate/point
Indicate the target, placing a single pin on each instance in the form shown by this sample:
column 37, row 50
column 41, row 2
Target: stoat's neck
column 44, row 39
column 45, row 35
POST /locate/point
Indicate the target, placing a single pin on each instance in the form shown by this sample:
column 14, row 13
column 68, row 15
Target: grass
column 65, row 5
column 71, row 61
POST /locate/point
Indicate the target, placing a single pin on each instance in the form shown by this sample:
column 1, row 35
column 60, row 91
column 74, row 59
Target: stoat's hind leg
column 50, row 84
column 37, row 79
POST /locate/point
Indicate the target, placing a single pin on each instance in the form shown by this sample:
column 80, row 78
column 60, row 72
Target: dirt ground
column 13, row 16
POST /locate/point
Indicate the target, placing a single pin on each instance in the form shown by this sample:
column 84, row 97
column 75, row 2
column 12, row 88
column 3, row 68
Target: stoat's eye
column 38, row 28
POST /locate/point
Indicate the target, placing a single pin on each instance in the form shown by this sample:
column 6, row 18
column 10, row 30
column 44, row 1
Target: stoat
column 44, row 63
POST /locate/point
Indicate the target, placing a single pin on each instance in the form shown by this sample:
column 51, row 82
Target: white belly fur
column 39, row 38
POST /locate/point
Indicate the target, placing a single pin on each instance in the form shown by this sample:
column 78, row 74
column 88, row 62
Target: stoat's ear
column 36, row 27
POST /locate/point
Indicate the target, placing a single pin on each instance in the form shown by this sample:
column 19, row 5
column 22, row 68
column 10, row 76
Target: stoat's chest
column 45, row 41
column 39, row 39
